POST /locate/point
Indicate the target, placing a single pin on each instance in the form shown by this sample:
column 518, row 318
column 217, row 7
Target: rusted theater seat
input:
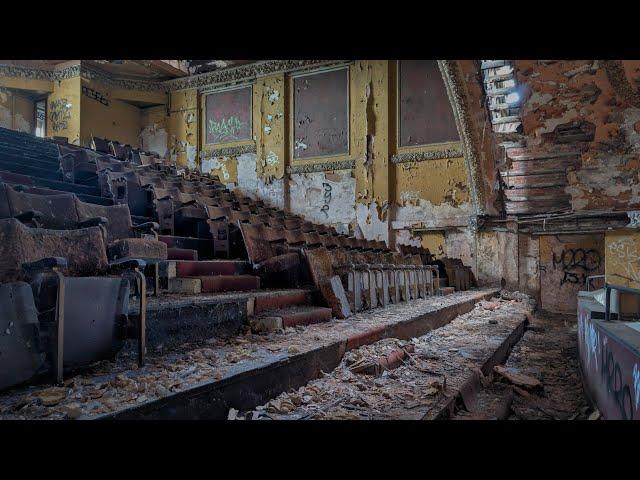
column 81, row 318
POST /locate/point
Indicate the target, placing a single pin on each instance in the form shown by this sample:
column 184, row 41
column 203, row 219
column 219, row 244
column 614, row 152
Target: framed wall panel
column 321, row 114
column 227, row 116
column 425, row 116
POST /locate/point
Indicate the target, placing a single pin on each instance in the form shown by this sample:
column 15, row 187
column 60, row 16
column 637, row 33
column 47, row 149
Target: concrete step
column 189, row 286
column 212, row 267
column 282, row 300
column 182, row 254
column 202, row 245
column 290, row 317
column 228, row 283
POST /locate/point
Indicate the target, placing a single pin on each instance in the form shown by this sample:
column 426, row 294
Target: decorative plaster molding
column 322, row 167
column 226, row 76
column 427, row 155
column 242, row 73
column 228, row 151
column 454, row 83
column 24, row 72
column 125, row 83
column 71, row 71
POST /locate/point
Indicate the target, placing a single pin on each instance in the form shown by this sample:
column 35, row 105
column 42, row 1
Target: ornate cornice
column 209, row 152
column 24, row 72
column 322, row 167
column 454, row 82
column 124, row 83
column 242, row 73
column 222, row 77
column 427, row 155
column 71, row 71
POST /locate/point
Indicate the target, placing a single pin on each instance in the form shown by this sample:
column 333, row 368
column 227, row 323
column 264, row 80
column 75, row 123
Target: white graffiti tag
column 626, row 252
column 636, row 384
column 591, row 340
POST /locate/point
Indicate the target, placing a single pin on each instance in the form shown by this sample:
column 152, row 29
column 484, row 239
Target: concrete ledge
column 249, row 384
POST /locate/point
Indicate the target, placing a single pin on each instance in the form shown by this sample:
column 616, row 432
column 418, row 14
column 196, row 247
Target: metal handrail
column 608, row 287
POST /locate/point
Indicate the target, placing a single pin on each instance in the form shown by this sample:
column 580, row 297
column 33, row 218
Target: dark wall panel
column 321, row 114
column 425, row 112
column 228, row 116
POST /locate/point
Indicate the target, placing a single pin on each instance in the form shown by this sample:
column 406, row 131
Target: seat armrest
column 93, row 222
column 125, row 264
column 44, row 264
column 149, row 227
column 29, row 216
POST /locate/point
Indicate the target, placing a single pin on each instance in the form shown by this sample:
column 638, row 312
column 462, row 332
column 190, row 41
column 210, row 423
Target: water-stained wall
column 17, row 111
column 363, row 191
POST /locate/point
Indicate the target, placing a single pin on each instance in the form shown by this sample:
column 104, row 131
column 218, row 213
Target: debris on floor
column 396, row 379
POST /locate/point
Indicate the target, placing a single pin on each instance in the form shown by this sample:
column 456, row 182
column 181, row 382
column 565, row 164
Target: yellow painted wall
column 183, row 127
column 116, row 121
column 435, row 181
column 372, row 94
column 64, row 109
column 16, row 111
column 622, row 257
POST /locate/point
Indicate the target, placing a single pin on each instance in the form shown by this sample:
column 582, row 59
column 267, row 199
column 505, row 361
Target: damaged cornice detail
column 454, row 82
column 322, row 167
column 203, row 81
column 246, row 72
column 24, row 72
column 79, row 70
column 427, row 155
column 229, row 151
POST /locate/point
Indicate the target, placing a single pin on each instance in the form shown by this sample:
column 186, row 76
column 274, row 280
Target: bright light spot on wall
column 513, row 97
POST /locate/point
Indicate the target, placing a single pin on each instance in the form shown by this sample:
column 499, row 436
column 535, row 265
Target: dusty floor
column 394, row 379
column 547, row 353
column 112, row 386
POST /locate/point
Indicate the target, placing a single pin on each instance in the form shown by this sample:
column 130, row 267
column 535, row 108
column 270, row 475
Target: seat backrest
column 100, row 145
column 58, row 211
column 320, row 265
column 118, row 218
column 93, row 315
column 21, row 356
column 258, row 248
column 83, row 248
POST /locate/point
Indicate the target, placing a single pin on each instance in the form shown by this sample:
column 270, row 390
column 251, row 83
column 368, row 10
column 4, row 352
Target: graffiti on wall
column 228, row 116
column 95, row 95
column 576, row 264
column 59, row 114
column 624, row 252
column 226, row 129
column 611, row 376
column 326, row 197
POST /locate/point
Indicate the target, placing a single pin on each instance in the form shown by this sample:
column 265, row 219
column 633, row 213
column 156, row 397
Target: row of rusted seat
column 67, row 268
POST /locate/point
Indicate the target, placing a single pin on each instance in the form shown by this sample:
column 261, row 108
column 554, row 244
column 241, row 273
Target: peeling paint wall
column 16, row 111
column 154, row 136
column 249, row 183
column 565, row 262
column 183, row 128
column 325, row 197
column 601, row 96
column 377, row 199
column 622, row 257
